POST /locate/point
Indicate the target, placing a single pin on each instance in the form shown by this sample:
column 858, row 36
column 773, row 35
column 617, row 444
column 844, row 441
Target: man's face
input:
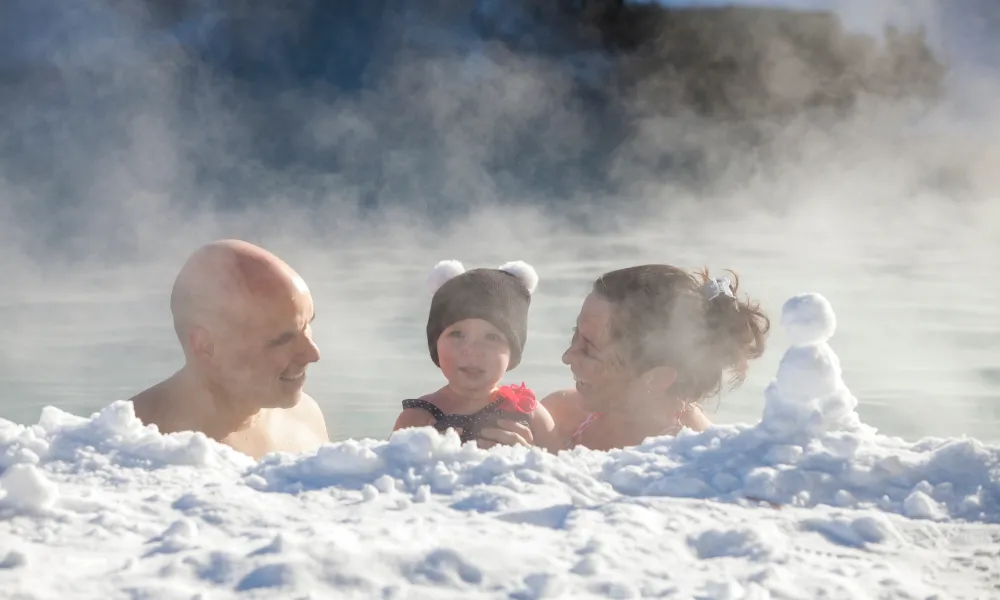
column 262, row 360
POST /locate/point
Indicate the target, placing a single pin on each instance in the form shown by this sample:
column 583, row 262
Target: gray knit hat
column 498, row 296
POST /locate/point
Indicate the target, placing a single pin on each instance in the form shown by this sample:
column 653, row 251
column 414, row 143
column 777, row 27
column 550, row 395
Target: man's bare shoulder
column 309, row 414
column 151, row 406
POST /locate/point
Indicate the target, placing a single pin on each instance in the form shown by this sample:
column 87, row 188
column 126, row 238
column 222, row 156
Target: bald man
column 243, row 320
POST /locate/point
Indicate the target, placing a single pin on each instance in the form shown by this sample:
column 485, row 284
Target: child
column 476, row 330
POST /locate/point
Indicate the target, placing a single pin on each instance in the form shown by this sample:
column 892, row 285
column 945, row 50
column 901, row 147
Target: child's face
column 473, row 355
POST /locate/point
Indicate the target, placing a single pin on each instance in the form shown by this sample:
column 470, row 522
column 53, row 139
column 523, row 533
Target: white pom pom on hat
column 524, row 272
column 442, row 272
column 446, row 270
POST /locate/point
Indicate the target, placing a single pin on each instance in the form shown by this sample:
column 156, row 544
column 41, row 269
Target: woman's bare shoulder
column 565, row 408
column 694, row 418
column 562, row 399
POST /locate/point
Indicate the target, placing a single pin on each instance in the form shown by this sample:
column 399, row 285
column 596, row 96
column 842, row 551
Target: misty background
column 847, row 148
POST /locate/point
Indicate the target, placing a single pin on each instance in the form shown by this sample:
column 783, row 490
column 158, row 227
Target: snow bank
column 127, row 512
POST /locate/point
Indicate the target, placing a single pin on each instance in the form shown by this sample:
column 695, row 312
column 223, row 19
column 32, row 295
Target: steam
column 488, row 134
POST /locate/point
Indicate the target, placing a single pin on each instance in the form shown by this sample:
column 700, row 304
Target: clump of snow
column 920, row 505
column 807, row 503
column 858, row 532
column 115, row 436
column 761, row 543
column 11, row 559
column 24, row 488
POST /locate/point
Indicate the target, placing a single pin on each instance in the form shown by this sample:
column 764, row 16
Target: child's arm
column 413, row 417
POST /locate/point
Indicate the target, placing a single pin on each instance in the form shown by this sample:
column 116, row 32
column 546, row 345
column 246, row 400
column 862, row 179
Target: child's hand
column 507, row 433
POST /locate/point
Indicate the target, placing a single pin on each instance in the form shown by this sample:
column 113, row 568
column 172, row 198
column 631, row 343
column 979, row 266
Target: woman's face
column 594, row 357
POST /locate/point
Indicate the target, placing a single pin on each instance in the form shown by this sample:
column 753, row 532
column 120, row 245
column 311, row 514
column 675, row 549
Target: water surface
column 918, row 337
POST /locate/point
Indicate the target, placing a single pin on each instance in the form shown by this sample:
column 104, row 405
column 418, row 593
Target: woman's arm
column 556, row 418
column 506, row 433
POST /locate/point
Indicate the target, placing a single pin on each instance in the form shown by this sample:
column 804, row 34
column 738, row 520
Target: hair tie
column 719, row 286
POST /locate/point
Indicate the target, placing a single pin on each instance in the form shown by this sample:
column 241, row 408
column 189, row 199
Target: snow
column 809, row 395
column 807, row 503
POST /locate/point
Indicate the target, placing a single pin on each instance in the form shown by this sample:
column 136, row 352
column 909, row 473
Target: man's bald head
column 223, row 282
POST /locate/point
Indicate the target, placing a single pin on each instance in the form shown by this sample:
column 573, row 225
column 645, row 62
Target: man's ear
column 659, row 379
column 200, row 343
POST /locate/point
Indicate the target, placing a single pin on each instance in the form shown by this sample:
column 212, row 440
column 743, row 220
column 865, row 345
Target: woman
column 651, row 343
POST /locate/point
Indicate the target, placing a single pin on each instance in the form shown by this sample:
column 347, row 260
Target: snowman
column 808, row 397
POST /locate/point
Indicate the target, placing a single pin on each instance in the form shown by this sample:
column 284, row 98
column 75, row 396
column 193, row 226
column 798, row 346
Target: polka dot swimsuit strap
column 470, row 424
